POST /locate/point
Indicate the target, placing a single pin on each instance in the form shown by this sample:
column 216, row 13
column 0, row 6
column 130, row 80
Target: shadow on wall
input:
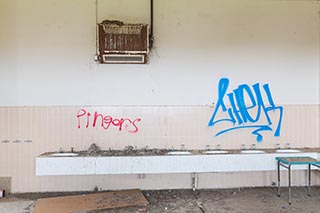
column 5, row 184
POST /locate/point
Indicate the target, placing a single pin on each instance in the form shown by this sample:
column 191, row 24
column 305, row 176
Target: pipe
column 194, row 181
column 96, row 57
column 151, row 38
column 151, row 13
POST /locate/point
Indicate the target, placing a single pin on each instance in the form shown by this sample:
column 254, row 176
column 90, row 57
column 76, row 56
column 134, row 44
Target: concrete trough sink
column 176, row 162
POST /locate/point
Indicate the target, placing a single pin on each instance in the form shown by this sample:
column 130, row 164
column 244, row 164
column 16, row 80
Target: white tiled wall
column 50, row 128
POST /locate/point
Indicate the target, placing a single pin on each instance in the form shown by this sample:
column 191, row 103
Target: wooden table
column 287, row 162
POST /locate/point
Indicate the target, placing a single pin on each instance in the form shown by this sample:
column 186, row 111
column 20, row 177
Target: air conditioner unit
column 124, row 59
column 123, row 43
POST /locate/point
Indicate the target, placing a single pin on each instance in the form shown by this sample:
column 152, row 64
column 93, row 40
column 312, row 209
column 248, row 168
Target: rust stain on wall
column 117, row 37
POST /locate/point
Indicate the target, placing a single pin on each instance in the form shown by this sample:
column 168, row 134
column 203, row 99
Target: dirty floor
column 202, row 201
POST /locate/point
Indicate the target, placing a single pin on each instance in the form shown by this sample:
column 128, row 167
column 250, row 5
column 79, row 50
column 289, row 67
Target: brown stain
column 122, row 38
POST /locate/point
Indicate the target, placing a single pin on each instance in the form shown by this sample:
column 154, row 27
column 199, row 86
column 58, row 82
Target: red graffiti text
column 105, row 121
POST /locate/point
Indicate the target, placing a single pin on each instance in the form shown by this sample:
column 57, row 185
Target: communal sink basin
column 63, row 154
column 179, row 153
column 215, row 152
column 252, row 152
column 287, row 150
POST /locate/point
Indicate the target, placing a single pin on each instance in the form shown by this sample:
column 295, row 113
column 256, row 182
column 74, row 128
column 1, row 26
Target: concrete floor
column 202, row 201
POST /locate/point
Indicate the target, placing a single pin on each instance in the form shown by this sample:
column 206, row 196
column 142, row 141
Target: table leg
column 309, row 179
column 289, row 181
column 278, row 178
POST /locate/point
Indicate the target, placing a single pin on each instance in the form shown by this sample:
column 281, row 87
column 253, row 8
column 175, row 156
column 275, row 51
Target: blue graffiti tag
column 238, row 112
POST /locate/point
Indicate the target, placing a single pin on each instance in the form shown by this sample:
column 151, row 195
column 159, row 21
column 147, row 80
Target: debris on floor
column 258, row 199
column 90, row 202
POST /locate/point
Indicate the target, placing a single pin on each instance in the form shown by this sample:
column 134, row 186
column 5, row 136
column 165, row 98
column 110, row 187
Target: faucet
column 277, row 145
column 208, row 147
column 182, row 147
column 218, row 147
column 253, row 146
column 61, row 150
column 243, row 147
column 287, row 145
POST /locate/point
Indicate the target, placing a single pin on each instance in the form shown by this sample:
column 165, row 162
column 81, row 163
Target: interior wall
column 48, row 75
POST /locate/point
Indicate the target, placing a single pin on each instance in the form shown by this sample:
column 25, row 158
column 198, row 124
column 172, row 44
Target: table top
column 298, row 160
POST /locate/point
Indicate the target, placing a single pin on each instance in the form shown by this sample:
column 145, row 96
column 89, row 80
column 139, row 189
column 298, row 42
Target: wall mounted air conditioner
column 121, row 43
column 124, row 58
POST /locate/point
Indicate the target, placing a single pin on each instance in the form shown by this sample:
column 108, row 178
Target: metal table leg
column 278, row 178
column 286, row 163
column 309, row 179
column 289, row 176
